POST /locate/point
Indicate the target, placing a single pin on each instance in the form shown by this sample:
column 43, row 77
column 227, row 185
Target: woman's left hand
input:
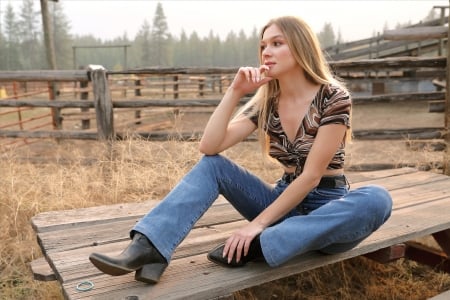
column 239, row 241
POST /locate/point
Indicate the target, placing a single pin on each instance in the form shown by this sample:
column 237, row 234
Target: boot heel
column 150, row 273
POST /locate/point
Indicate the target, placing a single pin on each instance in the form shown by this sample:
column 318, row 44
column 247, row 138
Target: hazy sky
column 356, row 19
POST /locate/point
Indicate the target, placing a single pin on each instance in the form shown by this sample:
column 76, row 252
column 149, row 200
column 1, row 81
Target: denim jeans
column 329, row 220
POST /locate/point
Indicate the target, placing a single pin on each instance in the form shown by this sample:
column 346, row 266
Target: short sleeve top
column 331, row 105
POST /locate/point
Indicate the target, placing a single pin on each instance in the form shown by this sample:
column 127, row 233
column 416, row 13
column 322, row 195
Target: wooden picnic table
column 421, row 208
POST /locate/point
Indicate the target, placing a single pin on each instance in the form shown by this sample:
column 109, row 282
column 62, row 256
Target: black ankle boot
column 254, row 253
column 140, row 256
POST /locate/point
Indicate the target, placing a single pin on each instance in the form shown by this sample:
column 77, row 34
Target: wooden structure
column 421, row 202
column 424, row 38
column 373, row 72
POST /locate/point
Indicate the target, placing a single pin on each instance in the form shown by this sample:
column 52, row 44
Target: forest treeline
column 22, row 44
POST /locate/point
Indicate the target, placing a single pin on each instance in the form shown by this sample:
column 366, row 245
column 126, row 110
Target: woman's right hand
column 248, row 79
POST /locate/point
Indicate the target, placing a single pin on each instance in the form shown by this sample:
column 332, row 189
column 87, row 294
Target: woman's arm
column 220, row 133
column 325, row 145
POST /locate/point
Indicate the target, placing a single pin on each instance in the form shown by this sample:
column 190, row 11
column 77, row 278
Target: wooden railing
column 209, row 85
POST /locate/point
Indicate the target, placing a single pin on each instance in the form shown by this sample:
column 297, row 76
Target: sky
column 355, row 19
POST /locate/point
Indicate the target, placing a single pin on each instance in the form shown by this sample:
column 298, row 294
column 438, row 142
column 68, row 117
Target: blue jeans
column 329, row 220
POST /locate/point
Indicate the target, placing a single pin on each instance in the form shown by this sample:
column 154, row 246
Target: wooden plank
column 428, row 256
column 417, row 33
column 415, row 195
column 89, row 216
column 106, row 224
column 442, row 296
column 196, row 278
column 71, row 259
column 110, row 223
column 61, row 219
column 443, row 240
column 436, row 106
column 44, row 75
column 42, row 270
column 112, row 232
column 388, row 254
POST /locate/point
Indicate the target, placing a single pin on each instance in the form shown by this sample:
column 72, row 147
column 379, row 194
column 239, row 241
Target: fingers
column 253, row 74
column 236, row 246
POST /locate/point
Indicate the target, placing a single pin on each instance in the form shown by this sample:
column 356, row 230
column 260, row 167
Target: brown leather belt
column 325, row 182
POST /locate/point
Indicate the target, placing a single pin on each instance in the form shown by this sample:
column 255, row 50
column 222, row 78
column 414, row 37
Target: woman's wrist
column 234, row 92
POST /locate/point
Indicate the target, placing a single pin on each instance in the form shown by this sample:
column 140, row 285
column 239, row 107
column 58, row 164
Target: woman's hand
column 249, row 79
column 239, row 241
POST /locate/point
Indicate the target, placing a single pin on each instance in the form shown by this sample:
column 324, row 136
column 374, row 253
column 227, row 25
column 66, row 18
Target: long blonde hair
column 305, row 48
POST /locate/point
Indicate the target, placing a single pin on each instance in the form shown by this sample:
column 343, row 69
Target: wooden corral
column 146, row 93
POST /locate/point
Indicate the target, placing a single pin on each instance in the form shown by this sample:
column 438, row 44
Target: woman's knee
column 378, row 200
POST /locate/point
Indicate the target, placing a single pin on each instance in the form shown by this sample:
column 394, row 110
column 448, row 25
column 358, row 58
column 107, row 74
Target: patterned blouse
column 331, row 105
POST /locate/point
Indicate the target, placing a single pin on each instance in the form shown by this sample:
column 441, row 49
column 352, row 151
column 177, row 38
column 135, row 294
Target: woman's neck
column 297, row 88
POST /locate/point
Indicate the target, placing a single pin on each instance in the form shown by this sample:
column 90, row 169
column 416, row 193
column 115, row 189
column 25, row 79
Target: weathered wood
column 442, row 296
column 443, row 239
column 343, row 47
column 437, row 106
column 399, row 134
column 60, row 134
column 388, row 254
column 417, row 33
column 103, row 104
column 428, row 256
column 388, row 49
column 431, row 145
column 373, row 134
column 446, row 158
column 206, row 279
column 393, row 63
column 447, row 110
column 41, row 270
column 44, row 75
column 68, row 237
column 397, row 97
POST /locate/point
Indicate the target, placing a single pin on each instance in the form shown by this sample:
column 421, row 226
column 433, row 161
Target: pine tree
column 11, row 37
column 143, row 45
column 326, row 36
column 32, row 54
column 160, row 38
column 62, row 38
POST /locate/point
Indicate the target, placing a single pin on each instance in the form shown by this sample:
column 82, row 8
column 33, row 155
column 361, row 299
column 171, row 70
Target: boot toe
column 107, row 265
column 216, row 256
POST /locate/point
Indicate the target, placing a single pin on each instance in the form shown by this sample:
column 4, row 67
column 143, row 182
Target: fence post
column 447, row 110
column 137, row 93
column 56, row 112
column 102, row 103
column 175, row 86
column 84, row 95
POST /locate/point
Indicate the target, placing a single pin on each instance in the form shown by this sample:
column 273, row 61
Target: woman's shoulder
column 333, row 88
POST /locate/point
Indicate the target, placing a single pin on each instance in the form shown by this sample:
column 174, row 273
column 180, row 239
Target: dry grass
column 83, row 174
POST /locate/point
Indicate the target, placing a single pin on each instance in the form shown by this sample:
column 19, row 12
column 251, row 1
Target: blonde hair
column 305, row 48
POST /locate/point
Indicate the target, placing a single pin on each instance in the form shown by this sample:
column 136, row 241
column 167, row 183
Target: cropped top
column 331, row 105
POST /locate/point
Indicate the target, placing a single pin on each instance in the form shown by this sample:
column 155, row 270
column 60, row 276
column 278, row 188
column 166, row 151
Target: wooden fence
column 420, row 39
column 203, row 87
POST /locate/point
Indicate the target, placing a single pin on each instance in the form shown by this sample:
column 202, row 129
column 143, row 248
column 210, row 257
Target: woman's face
column 275, row 53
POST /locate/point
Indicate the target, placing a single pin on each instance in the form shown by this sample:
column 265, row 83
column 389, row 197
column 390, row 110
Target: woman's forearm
column 288, row 200
column 216, row 128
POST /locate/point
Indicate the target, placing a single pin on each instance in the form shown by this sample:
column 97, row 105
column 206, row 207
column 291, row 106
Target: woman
column 302, row 115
